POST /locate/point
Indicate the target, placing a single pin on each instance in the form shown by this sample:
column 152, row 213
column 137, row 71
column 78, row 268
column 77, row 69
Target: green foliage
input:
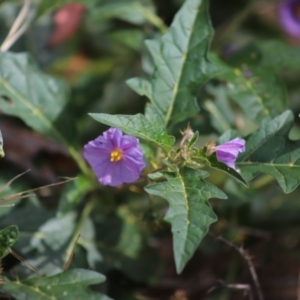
column 181, row 65
column 120, row 231
column 279, row 56
column 269, row 150
column 189, row 213
column 71, row 284
column 213, row 161
column 150, row 130
column 258, row 91
column 131, row 11
column 8, row 237
column 73, row 193
column 31, row 95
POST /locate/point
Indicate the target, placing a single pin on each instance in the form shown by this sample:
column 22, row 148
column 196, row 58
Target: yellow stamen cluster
column 116, row 155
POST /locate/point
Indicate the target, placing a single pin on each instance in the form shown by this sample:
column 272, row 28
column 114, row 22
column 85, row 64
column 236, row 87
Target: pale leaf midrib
column 259, row 100
column 183, row 60
column 32, row 108
column 268, row 164
column 187, row 206
column 34, row 289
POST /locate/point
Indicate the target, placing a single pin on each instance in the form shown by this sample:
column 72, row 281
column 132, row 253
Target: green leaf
column 215, row 163
column 55, row 232
column 221, row 114
column 189, row 213
column 71, row 284
column 279, row 55
column 73, row 193
column 1, row 145
column 181, row 65
column 29, row 94
column 269, row 150
column 137, row 125
column 88, row 234
column 122, row 242
column 131, row 11
column 258, row 91
column 8, row 237
column 132, row 38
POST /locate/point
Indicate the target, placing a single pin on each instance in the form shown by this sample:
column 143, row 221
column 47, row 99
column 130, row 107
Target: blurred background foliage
column 94, row 46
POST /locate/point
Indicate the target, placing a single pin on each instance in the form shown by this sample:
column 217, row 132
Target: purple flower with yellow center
column 229, row 151
column 115, row 158
column 289, row 14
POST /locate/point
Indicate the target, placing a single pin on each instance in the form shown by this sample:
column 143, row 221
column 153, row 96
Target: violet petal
column 228, row 152
column 289, row 16
column 127, row 169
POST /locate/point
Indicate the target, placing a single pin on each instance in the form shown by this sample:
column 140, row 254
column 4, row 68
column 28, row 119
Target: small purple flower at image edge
column 115, row 158
column 229, row 151
column 289, row 16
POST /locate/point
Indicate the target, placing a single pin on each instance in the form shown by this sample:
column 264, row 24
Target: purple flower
column 228, row 152
column 289, row 14
column 115, row 158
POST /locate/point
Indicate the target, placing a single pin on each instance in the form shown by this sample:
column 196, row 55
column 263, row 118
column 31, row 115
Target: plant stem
column 154, row 19
column 86, row 212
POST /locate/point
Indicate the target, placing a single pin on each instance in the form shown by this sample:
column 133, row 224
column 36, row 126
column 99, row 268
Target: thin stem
column 8, row 43
column 212, row 108
column 15, row 32
column 154, row 19
column 17, row 28
column 73, row 152
column 20, row 18
column 86, row 212
column 248, row 259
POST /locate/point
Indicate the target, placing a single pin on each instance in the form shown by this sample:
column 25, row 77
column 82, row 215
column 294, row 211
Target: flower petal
column 289, row 18
column 128, row 142
column 228, row 152
column 129, row 172
column 113, row 136
column 111, row 174
column 235, row 146
column 227, row 158
column 98, row 154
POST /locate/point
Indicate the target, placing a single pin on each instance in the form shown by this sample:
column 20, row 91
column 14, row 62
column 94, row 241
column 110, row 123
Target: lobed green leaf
column 71, row 284
column 279, row 56
column 262, row 96
column 258, row 91
column 189, row 213
column 131, row 11
column 181, row 65
column 29, row 94
column 215, row 163
column 270, row 151
column 8, row 237
column 137, row 125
